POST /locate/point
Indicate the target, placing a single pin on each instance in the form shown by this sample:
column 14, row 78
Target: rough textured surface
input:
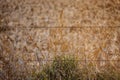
column 90, row 29
column 49, row 13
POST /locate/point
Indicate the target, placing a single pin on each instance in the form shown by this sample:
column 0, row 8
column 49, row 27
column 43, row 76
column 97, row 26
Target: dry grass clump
column 40, row 13
column 96, row 49
column 112, row 12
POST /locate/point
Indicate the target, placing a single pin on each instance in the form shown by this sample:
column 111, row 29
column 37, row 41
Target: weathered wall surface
column 39, row 29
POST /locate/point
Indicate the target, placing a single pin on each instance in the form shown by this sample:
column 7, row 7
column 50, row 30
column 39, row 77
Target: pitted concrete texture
column 60, row 13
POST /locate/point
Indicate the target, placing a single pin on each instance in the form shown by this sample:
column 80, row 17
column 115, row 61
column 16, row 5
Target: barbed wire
column 68, row 60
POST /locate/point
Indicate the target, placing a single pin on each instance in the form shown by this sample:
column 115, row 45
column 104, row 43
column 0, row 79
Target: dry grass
column 89, row 29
